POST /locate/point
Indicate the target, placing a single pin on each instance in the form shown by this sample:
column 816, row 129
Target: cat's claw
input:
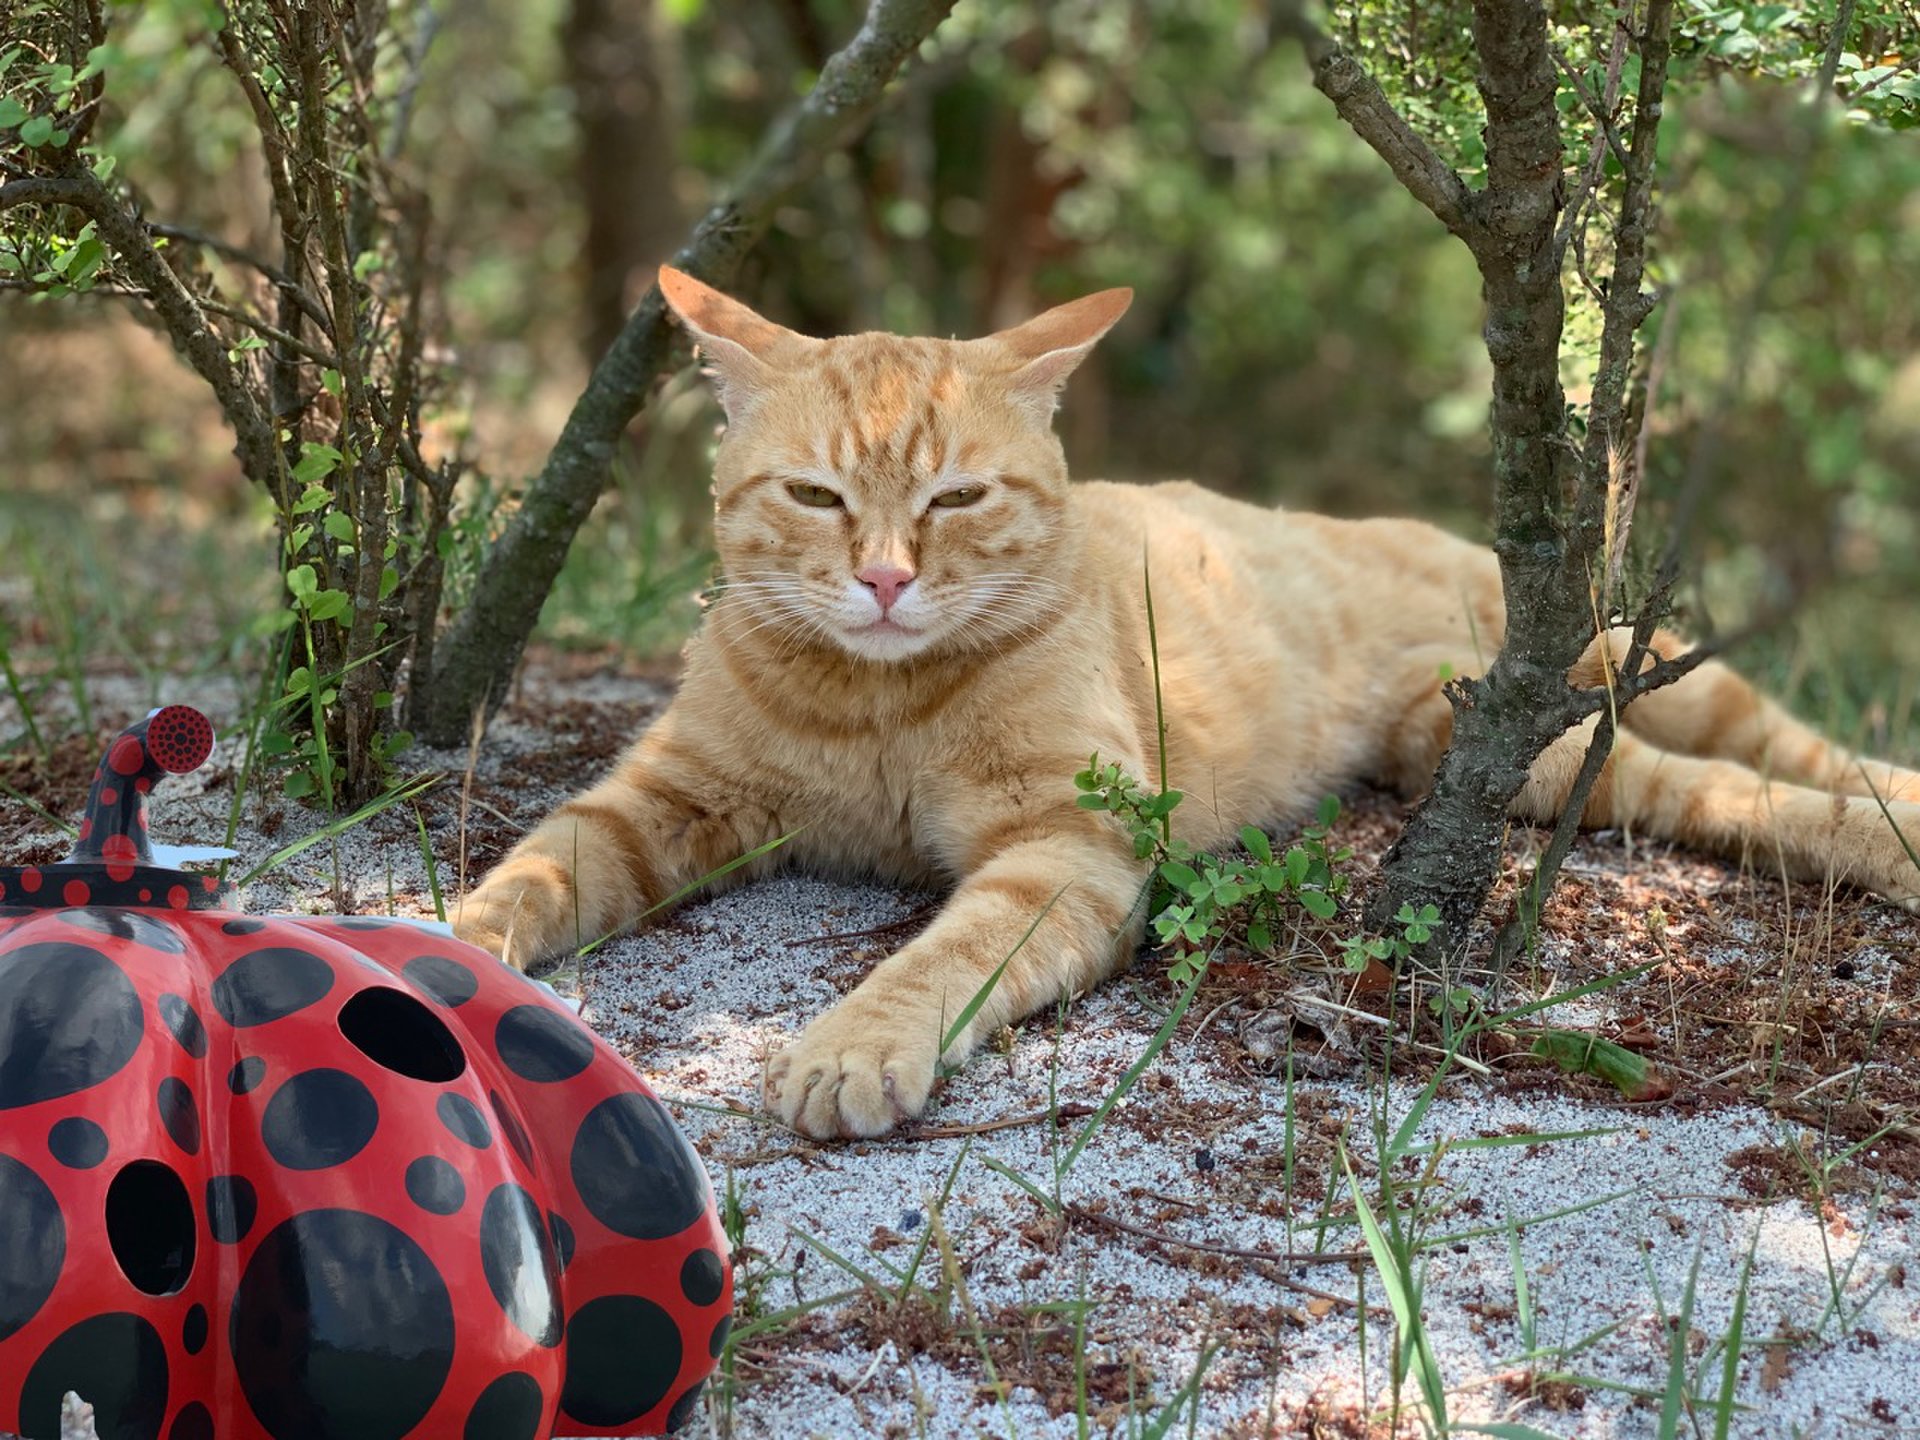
column 849, row 1077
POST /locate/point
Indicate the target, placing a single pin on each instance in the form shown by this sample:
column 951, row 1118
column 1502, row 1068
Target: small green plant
column 1416, row 928
column 1200, row 900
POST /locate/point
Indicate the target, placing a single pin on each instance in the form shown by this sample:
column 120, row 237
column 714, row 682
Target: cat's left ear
column 742, row 349
column 1049, row 347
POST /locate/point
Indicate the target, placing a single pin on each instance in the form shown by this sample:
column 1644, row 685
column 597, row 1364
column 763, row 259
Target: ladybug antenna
column 170, row 741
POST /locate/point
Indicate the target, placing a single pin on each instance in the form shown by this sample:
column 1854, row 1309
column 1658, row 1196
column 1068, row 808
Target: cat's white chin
column 885, row 641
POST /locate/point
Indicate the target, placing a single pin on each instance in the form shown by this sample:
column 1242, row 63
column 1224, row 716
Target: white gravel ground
column 1195, row 1152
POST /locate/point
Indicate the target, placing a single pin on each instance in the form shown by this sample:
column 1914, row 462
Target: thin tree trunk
column 623, row 154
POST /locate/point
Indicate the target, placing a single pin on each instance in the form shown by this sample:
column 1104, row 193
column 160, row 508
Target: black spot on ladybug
column 463, row 1118
column 193, row 1331
column 244, row 927
column 399, row 1033
column 683, row 1408
column 246, row 1074
column 69, row 1019
column 563, row 1240
column 623, row 1352
column 635, row 1171
column 718, row 1340
column 447, row 981
column 319, row 1118
column 184, row 1025
column 232, row 1204
column 194, row 1422
column 179, row 1114
column 435, row 1186
column 35, row 1247
column 703, row 1277
column 540, row 1044
column 77, row 1143
column 517, row 1259
column 510, row 1408
column 117, row 1361
column 270, row 984
column 127, row 925
column 150, row 1227
column 511, row 1127
column 354, row 1291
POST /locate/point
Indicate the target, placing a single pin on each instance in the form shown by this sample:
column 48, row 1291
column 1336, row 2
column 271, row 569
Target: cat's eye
column 959, row 499
column 818, row 496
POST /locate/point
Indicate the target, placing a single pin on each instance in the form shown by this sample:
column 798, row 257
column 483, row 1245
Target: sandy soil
column 1208, row 1219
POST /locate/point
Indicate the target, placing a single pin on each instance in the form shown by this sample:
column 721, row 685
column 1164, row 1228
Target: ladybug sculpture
column 320, row 1179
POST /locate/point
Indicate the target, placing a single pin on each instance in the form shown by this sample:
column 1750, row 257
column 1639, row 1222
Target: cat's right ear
column 740, row 348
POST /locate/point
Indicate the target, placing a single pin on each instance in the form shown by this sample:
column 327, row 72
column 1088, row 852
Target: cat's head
column 892, row 497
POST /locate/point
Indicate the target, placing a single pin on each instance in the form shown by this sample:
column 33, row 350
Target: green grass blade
column 926, row 1230
column 432, row 867
column 418, row 785
column 1001, row 1168
column 1159, row 710
column 20, row 698
column 1128, row 1080
column 1674, row 1397
column 972, row 1008
column 37, row 808
column 1736, row 1333
column 1403, row 1300
column 1188, row 1394
column 693, row 885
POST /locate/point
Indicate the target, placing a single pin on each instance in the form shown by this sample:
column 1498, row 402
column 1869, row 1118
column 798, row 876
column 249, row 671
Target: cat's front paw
column 854, row 1073
column 474, row 923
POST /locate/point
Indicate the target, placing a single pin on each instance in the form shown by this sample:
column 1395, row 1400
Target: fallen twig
column 1278, row 1258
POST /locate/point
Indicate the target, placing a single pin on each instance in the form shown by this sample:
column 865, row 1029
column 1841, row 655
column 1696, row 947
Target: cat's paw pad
column 850, row 1076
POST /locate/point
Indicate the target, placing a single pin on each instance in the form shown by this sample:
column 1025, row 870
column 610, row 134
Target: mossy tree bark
column 1549, row 498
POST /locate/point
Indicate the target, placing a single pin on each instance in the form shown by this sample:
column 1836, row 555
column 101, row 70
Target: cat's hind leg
column 1715, row 713
column 1723, row 807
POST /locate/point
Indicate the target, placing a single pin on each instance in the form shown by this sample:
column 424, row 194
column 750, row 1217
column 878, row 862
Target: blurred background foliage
column 1304, row 332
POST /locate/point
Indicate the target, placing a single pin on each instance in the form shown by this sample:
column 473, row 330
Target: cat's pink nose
column 886, row 582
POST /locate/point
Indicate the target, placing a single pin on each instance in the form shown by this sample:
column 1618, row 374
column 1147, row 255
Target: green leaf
column 312, row 498
column 1578, row 1052
column 1298, row 862
column 1090, row 802
column 1259, row 937
column 302, row 581
column 1318, row 904
column 1178, row 875
column 389, row 581
column 316, row 462
column 1255, row 839
column 339, row 526
column 12, row 112
column 329, row 604
column 36, row 131
column 297, row 785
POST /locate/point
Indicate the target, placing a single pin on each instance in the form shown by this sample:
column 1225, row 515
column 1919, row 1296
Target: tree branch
column 481, row 650
column 1359, row 101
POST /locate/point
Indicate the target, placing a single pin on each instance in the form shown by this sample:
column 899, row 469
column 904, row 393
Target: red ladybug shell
column 331, row 1179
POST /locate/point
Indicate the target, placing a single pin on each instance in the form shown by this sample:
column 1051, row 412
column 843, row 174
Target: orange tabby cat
column 925, row 628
